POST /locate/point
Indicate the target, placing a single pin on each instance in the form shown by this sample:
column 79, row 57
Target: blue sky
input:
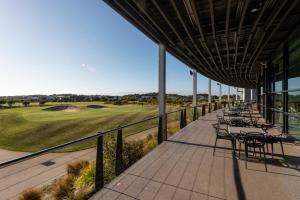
column 81, row 47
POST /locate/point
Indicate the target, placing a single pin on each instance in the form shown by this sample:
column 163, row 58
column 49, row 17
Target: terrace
column 184, row 167
column 249, row 44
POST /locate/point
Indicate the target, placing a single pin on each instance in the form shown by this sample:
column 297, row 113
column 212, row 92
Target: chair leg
column 272, row 146
column 267, row 147
column 282, row 149
column 233, row 147
column 240, row 145
column 265, row 159
column 215, row 145
column 246, row 155
column 259, row 153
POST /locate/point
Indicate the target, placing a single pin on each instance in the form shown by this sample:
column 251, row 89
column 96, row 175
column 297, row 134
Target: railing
column 99, row 178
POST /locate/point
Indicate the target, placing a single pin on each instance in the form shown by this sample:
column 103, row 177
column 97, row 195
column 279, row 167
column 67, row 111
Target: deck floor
column 184, row 168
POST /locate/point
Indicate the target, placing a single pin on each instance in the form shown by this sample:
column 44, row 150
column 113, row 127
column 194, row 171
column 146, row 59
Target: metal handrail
column 96, row 135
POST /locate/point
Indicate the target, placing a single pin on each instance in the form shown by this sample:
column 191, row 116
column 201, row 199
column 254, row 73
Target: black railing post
column 195, row 115
column 99, row 177
column 181, row 119
column 165, row 134
column 216, row 106
column 203, row 109
column 119, row 153
column 209, row 107
column 184, row 117
column 160, row 130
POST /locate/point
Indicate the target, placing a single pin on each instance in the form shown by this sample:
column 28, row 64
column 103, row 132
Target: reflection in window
column 294, row 102
column 278, row 101
column 278, row 117
column 294, row 77
column 278, row 86
column 294, row 126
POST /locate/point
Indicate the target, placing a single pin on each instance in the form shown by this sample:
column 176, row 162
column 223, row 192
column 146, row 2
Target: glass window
column 294, row 102
column 294, row 77
column 278, row 101
column 278, row 86
column 278, row 119
column 294, row 126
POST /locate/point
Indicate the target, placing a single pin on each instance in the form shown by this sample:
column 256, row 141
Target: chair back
column 255, row 137
column 221, row 119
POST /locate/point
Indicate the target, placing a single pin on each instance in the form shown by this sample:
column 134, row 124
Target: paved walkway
column 184, row 168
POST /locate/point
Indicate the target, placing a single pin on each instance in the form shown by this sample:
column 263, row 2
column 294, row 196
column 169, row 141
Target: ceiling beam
column 245, row 6
column 285, row 15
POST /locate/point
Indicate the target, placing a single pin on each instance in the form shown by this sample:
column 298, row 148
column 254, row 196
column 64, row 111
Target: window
column 294, row 77
column 278, row 101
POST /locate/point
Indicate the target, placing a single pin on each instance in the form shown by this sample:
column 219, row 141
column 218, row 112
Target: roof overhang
column 227, row 41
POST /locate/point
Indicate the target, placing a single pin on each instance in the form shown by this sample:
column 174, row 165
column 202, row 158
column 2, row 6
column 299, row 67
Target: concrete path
column 9, row 155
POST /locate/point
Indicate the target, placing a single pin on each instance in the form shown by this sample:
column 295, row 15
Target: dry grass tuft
column 63, row 187
column 31, row 194
column 75, row 168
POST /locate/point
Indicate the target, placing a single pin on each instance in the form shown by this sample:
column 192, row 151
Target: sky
column 81, row 47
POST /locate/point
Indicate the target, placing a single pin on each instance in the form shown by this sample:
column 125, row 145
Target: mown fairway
column 37, row 127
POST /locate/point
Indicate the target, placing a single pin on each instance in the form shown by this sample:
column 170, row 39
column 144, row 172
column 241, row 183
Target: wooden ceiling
column 226, row 40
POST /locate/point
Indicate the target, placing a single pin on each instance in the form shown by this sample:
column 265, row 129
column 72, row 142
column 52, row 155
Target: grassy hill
column 37, row 127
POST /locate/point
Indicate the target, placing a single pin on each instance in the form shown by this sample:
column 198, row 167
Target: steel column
column 228, row 94
column 162, row 92
column 195, row 116
column 285, row 87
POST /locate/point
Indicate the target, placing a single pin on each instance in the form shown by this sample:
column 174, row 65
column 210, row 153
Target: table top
column 237, row 130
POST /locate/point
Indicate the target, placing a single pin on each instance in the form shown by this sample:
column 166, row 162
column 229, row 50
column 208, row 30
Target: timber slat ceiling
column 226, row 40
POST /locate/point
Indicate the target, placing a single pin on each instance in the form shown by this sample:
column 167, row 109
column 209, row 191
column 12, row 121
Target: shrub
column 87, row 176
column 84, row 193
column 75, row 168
column 149, row 145
column 62, row 188
column 133, row 151
column 31, row 194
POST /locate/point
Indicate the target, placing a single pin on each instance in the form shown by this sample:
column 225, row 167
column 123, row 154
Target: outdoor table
column 236, row 132
column 233, row 117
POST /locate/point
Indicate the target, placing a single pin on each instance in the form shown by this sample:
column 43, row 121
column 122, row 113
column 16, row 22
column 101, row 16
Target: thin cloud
column 88, row 68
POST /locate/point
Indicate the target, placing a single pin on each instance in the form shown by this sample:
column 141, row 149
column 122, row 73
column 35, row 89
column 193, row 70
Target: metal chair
column 223, row 134
column 272, row 139
column 255, row 140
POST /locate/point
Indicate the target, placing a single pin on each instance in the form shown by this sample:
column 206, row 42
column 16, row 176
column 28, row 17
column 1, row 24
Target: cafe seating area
column 243, row 125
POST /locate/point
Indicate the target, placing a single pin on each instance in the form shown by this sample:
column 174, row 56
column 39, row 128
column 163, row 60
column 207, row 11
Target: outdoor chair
column 272, row 139
column 255, row 141
column 223, row 134
column 221, row 119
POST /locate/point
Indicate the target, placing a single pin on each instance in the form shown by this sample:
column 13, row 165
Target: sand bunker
column 96, row 106
column 63, row 108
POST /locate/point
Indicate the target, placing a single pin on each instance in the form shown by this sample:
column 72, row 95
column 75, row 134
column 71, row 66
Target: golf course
column 37, row 127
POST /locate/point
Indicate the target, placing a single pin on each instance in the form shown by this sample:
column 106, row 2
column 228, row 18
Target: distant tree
column 42, row 101
column 26, row 102
column 2, row 101
column 10, row 102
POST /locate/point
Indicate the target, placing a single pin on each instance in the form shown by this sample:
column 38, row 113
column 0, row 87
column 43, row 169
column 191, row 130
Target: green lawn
column 34, row 128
